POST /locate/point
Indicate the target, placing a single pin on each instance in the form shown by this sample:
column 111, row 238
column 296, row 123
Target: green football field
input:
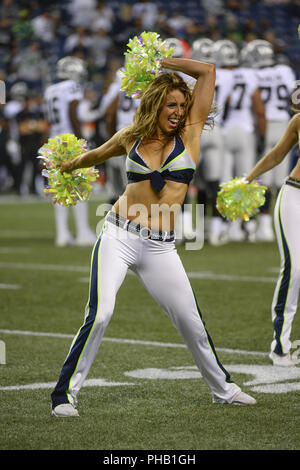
column 143, row 391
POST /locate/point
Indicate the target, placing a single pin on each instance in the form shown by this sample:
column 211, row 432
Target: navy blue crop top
column 178, row 166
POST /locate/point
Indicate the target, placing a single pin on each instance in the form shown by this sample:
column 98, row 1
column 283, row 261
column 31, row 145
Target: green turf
column 149, row 413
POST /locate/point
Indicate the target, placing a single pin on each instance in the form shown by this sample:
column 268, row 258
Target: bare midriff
column 295, row 173
column 143, row 205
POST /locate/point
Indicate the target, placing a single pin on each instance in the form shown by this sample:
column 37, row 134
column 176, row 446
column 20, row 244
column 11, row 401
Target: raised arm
column 111, row 148
column 278, row 153
column 203, row 93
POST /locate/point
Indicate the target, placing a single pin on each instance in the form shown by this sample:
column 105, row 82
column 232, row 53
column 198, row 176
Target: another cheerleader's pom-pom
column 67, row 189
column 143, row 62
column 239, row 199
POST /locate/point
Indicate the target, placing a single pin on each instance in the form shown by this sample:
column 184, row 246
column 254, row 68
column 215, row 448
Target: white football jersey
column 58, row 98
column 115, row 86
column 188, row 79
column 223, row 88
column 127, row 106
column 276, row 84
column 11, row 109
column 245, row 83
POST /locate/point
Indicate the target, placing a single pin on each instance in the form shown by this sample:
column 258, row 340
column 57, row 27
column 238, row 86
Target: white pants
column 275, row 177
column 240, row 155
column 81, row 218
column 211, row 156
column 285, row 300
column 159, row 268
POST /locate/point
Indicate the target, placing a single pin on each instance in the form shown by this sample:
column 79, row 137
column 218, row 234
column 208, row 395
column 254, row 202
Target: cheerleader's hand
column 65, row 167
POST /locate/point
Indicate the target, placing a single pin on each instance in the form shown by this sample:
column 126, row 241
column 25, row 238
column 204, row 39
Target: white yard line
column 6, row 250
column 25, row 199
column 51, row 385
column 44, row 267
column 19, row 234
column 192, row 275
column 228, row 277
column 128, row 341
column 10, row 286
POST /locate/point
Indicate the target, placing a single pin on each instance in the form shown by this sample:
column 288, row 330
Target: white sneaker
column 65, row 410
column 265, row 231
column 241, row 398
column 63, row 241
column 214, row 239
column 250, row 228
column 283, row 360
column 251, row 237
column 235, row 232
column 88, row 239
column 265, row 235
column 217, row 239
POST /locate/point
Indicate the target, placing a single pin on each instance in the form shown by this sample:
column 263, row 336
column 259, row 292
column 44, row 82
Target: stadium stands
column 35, row 34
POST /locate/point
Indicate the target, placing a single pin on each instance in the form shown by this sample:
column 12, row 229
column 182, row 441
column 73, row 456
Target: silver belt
column 293, row 182
column 144, row 232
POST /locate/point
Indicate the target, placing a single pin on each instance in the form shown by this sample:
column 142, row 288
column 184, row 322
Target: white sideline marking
column 129, row 341
column 265, row 378
column 228, row 277
column 36, row 333
column 24, row 199
column 45, row 267
column 9, row 286
column 261, row 374
column 20, row 234
column 18, row 249
column 87, row 383
column 193, row 275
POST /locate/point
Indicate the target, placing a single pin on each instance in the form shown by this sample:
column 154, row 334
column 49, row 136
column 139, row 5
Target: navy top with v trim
column 178, row 166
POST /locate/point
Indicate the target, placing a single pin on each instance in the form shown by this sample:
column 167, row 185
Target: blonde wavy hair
column 146, row 116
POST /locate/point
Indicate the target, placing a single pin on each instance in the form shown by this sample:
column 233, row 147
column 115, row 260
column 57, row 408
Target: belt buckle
column 148, row 235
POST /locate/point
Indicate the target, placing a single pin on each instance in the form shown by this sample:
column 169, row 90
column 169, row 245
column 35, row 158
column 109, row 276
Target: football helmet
column 201, row 50
column 177, row 47
column 258, row 53
column 19, row 91
column 225, row 53
column 71, row 68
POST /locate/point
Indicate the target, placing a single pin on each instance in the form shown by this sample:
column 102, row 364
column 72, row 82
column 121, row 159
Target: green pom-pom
column 239, row 199
column 67, row 189
column 143, row 62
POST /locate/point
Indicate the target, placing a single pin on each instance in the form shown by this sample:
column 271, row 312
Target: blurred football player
column 62, row 100
column 16, row 103
column 119, row 114
column 276, row 83
column 208, row 174
column 245, row 116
